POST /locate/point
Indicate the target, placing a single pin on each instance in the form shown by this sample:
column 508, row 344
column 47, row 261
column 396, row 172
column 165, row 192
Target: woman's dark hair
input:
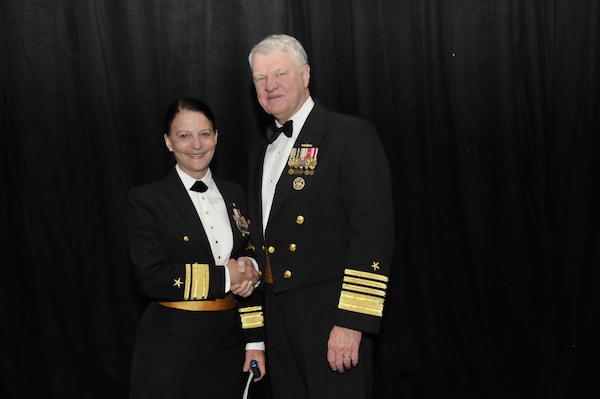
column 187, row 104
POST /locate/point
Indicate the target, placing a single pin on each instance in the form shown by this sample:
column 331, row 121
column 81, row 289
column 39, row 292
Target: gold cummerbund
column 202, row 306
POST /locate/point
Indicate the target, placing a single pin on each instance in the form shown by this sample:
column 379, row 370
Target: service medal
column 241, row 222
column 303, row 161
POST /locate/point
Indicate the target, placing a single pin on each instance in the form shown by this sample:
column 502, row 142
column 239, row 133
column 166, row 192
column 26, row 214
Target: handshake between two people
column 244, row 276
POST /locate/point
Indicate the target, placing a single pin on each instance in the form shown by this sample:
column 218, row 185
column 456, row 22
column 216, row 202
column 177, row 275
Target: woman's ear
column 168, row 142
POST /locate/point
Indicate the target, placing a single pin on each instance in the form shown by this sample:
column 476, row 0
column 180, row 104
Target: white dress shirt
column 212, row 211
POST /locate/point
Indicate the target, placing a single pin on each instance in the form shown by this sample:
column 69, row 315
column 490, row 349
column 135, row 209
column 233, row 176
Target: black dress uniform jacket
column 334, row 221
column 173, row 261
column 166, row 235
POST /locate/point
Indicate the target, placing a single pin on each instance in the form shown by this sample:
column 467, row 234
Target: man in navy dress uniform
column 320, row 202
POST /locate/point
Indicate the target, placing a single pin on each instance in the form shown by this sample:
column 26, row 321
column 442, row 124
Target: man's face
column 281, row 88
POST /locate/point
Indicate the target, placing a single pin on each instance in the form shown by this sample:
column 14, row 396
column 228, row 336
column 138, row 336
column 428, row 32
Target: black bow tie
column 273, row 131
column 199, row 186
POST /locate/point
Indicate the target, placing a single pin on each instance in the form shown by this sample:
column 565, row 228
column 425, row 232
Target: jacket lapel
column 183, row 204
column 312, row 133
column 229, row 198
column 255, row 189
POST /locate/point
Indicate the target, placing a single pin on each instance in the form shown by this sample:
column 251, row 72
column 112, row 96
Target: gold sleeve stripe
column 200, row 281
column 363, row 290
column 252, row 317
column 197, row 278
column 188, row 279
column 370, row 283
column 367, row 275
column 251, row 309
column 361, row 303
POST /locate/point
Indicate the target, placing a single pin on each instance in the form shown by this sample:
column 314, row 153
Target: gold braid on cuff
column 197, row 278
column 363, row 292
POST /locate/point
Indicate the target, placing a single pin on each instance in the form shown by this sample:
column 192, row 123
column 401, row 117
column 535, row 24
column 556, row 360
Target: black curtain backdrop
column 489, row 111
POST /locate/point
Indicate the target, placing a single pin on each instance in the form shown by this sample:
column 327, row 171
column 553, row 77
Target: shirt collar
column 299, row 118
column 188, row 181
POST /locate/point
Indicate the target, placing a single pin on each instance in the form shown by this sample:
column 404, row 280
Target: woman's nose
column 197, row 141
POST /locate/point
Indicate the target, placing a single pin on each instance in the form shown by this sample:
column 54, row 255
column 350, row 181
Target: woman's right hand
column 243, row 276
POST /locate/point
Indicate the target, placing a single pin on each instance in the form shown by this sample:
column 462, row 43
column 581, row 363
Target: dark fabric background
column 489, row 111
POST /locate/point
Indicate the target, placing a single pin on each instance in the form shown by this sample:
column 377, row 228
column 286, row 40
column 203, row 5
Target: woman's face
column 193, row 141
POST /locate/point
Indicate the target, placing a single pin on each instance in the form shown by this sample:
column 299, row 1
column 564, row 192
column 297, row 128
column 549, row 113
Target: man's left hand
column 342, row 348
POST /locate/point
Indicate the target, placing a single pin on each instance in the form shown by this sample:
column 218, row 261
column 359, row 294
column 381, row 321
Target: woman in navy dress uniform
column 189, row 243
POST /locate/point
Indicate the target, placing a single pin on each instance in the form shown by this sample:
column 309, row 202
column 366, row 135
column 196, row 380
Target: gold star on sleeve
column 375, row 266
column 177, row 283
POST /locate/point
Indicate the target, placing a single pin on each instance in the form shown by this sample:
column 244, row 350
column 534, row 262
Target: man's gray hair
column 283, row 43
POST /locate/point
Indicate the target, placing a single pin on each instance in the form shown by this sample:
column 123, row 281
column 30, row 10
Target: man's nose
column 270, row 84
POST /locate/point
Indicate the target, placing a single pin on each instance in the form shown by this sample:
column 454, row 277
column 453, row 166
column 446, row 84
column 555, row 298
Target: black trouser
column 298, row 324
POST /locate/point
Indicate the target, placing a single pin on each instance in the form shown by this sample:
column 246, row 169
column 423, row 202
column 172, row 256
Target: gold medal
column 303, row 160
